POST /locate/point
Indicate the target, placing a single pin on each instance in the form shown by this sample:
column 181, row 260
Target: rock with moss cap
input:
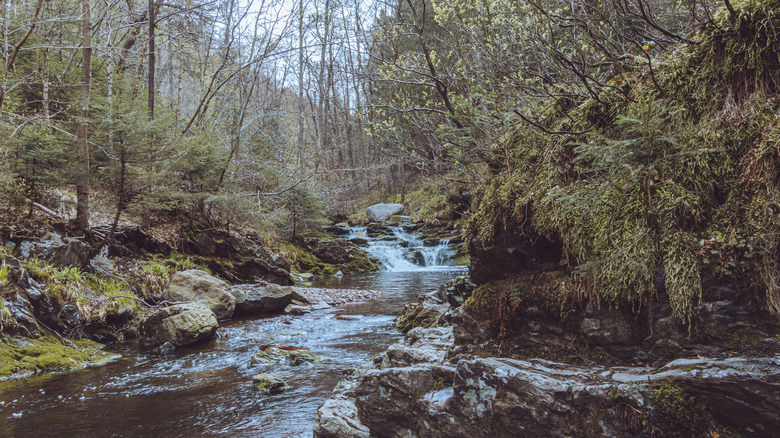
column 269, row 383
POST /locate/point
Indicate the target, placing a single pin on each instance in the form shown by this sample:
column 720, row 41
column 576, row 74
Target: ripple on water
column 206, row 391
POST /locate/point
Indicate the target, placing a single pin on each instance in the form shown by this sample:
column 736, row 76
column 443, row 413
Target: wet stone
column 269, row 383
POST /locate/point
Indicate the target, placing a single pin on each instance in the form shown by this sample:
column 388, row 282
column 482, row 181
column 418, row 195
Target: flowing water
column 206, row 390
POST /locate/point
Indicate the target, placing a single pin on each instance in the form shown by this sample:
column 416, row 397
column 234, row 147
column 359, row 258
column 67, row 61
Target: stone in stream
column 268, row 299
column 381, row 212
column 278, row 355
column 269, row 383
column 180, row 324
column 200, row 286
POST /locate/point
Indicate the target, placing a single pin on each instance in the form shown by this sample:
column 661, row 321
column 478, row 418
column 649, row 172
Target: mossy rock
column 23, row 356
column 420, row 316
column 269, row 383
column 482, row 300
column 276, row 355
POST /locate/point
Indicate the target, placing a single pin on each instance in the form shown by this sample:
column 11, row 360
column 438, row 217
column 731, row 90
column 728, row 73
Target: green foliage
column 306, row 211
column 5, row 272
column 683, row 183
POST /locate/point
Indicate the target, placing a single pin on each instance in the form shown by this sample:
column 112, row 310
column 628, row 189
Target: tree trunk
column 82, row 145
column 152, row 58
column 301, row 151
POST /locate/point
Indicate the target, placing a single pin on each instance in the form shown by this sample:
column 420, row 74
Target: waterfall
column 405, row 251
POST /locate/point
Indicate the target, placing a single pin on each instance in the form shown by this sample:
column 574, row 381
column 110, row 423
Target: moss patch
column 419, row 316
column 676, row 412
column 24, row 356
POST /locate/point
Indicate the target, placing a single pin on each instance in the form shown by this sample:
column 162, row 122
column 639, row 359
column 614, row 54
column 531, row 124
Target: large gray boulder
column 381, row 212
column 273, row 298
column 180, row 324
column 200, row 286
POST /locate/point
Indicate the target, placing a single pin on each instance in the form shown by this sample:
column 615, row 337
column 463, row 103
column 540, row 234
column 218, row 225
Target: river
column 206, row 390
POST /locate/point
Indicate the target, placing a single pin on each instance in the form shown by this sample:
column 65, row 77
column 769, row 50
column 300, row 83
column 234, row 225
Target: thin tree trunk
column 301, row 151
column 122, row 201
column 9, row 63
column 45, row 76
column 152, row 58
column 82, row 145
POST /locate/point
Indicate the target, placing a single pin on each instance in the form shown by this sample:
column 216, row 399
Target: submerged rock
column 196, row 285
column 181, row 324
column 277, row 355
column 381, row 212
column 269, row 383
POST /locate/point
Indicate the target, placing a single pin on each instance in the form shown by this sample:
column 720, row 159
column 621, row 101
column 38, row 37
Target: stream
column 206, row 390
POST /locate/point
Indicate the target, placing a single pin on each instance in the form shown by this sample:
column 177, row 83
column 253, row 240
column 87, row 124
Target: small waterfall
column 404, row 251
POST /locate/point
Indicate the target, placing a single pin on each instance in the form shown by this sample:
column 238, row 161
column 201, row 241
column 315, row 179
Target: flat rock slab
column 257, row 299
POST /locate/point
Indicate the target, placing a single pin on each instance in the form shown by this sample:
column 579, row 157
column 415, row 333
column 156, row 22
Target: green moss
column 676, row 412
column 482, row 300
column 419, row 316
column 303, row 261
column 22, row 356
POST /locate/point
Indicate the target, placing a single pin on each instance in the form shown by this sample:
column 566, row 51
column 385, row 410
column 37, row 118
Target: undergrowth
column 682, row 180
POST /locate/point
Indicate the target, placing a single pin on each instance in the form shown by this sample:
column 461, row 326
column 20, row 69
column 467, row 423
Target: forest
column 609, row 170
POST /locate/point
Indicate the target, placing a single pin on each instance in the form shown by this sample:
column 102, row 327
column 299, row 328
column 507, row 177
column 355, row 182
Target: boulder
column 338, row 416
column 264, row 299
column 456, row 292
column 381, row 212
column 425, row 313
column 346, row 255
column 21, row 316
column 269, row 383
column 197, row 285
column 180, row 324
column 265, row 266
column 419, row 346
column 57, row 250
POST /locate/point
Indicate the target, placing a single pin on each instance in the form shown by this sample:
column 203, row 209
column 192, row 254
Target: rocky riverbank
column 421, row 387
column 57, row 289
column 475, row 364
